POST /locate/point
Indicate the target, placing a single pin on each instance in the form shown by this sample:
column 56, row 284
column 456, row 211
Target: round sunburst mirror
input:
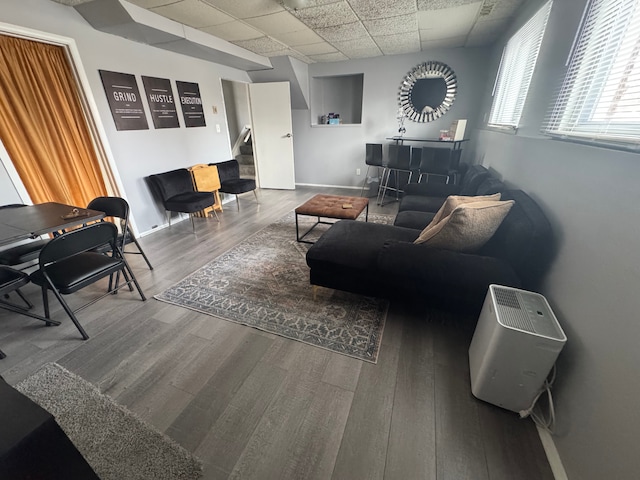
column 427, row 92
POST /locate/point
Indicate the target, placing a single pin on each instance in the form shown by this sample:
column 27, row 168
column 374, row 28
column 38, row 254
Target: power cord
column 546, row 422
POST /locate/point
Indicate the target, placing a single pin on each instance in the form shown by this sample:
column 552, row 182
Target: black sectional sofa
column 382, row 260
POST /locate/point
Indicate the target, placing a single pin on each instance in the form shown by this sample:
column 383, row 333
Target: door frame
column 98, row 134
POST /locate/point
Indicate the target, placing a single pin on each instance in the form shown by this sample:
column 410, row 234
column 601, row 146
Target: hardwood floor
column 253, row 405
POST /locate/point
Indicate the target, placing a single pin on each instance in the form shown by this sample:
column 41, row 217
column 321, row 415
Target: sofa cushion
column 468, row 227
column 412, row 219
column 453, row 201
column 354, row 244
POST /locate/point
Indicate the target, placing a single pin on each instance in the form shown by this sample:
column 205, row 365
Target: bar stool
column 435, row 161
column 373, row 158
column 399, row 162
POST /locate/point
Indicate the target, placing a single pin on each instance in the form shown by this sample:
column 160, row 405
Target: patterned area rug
column 264, row 283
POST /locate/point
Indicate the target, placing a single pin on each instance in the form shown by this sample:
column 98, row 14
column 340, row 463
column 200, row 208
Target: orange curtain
column 42, row 124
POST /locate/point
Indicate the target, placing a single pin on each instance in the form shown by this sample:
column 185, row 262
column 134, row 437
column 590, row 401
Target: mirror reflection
column 427, row 92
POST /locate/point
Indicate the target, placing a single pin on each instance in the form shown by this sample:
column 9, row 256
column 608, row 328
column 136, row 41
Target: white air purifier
column 514, row 347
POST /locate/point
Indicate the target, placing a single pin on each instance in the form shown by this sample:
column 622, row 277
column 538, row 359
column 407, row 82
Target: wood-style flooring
column 253, row 405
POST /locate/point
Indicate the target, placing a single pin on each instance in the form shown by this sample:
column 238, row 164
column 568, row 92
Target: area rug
column 116, row 443
column 264, row 283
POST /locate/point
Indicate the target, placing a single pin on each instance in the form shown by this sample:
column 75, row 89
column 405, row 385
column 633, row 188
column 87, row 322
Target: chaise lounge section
column 382, row 260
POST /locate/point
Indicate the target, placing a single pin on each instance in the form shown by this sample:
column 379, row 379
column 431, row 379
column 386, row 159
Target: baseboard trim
column 552, row 454
column 327, row 186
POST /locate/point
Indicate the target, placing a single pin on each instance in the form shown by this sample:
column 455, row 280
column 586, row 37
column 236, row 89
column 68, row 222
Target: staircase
column 246, row 161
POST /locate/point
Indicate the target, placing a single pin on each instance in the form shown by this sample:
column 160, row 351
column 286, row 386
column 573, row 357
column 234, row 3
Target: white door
column 272, row 134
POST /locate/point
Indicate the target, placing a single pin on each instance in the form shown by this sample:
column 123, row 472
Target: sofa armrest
column 431, row 189
column 444, row 269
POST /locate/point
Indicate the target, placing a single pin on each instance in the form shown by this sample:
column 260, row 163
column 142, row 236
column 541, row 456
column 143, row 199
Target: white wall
column 591, row 196
column 138, row 154
column 330, row 155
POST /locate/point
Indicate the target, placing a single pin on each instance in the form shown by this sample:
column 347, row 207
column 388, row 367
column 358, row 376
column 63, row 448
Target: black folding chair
column 117, row 207
column 11, row 280
column 72, row 261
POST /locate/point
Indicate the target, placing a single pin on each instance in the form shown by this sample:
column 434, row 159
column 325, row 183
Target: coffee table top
column 333, row 206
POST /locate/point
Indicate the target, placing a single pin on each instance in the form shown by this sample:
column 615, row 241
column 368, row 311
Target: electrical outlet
column 218, row 127
column 357, row 171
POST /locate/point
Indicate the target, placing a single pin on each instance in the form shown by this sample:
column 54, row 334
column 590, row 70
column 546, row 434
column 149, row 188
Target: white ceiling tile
column 400, row 43
column 456, row 18
column 359, row 48
column 261, row 46
column 486, row 27
column 303, row 37
column 233, row 31
column 316, row 49
column 339, row 33
column 281, row 22
column 326, row 15
column 438, row 4
column 329, row 57
column 246, row 8
column 193, row 13
column 391, row 25
column 370, row 9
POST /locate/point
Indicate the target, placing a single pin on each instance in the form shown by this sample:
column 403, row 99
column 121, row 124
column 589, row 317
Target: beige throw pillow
column 468, row 227
column 453, row 201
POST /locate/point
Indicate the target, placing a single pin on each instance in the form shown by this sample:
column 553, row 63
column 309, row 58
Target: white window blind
column 516, row 69
column 600, row 95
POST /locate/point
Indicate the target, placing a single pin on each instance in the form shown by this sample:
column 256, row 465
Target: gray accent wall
column 330, row 155
column 140, row 153
column 591, row 196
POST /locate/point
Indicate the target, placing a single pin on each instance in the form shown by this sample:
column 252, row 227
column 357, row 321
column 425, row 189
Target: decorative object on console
column 428, row 91
column 456, row 130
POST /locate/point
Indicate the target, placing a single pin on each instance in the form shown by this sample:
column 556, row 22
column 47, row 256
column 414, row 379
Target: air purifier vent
column 507, row 298
column 525, row 311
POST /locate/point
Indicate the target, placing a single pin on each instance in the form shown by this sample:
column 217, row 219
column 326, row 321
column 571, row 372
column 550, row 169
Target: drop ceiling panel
column 371, row 9
column 339, row 33
column 316, row 48
column 392, row 25
column 246, row 8
column 295, row 39
column 454, row 42
column 193, row 13
column 329, row 57
column 325, row 27
column 326, row 15
column 233, row 31
column 281, row 22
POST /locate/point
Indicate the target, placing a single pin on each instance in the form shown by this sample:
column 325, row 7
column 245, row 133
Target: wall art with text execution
column 191, row 103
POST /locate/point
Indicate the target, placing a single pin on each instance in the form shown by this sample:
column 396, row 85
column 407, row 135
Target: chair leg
column 70, row 313
column 364, row 182
column 2, row 354
column 135, row 240
column 193, row 224
column 24, row 299
column 238, row 202
column 127, row 269
column 256, row 195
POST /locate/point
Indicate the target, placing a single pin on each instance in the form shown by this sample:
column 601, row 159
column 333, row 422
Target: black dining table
column 453, row 144
column 34, row 220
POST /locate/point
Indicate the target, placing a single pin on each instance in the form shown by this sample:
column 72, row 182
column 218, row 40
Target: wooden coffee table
column 338, row 207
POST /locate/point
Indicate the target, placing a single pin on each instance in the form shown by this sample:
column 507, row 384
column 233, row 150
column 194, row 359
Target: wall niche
column 338, row 95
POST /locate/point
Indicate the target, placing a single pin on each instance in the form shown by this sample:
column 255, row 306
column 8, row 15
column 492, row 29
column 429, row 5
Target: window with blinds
column 600, row 97
column 516, row 69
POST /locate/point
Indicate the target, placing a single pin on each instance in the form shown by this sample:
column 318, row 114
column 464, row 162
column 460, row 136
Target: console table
column 454, row 144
